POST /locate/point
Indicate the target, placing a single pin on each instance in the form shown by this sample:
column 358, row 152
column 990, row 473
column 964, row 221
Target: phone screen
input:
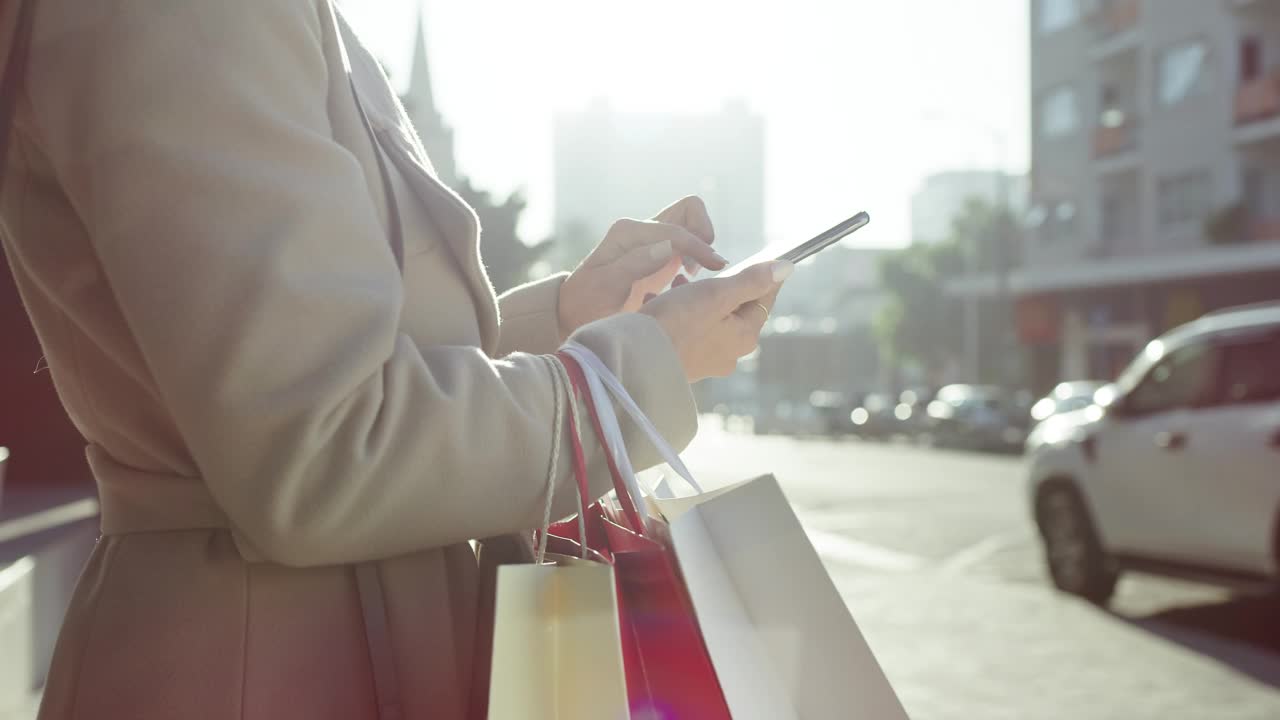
column 808, row 248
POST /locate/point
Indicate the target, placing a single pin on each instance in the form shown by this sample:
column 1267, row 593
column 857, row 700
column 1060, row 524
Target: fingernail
column 781, row 270
column 720, row 259
column 660, row 250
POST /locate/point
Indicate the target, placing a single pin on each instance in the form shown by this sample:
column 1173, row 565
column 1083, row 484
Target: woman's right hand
column 714, row 322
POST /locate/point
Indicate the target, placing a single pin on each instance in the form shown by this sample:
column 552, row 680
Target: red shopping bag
column 669, row 672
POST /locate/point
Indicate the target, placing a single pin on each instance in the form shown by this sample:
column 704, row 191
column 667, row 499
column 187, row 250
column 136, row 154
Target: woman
column 270, row 322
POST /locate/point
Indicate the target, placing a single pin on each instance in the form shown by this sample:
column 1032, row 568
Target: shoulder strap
column 15, row 70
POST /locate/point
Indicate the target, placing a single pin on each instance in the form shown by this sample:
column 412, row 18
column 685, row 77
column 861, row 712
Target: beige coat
column 196, row 221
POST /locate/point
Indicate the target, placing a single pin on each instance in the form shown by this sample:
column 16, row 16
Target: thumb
column 641, row 262
column 753, row 283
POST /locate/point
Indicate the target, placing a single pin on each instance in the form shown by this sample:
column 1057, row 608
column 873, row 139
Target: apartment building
column 1155, row 182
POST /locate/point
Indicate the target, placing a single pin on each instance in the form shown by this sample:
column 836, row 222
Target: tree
column 918, row 324
column 921, row 323
column 507, row 258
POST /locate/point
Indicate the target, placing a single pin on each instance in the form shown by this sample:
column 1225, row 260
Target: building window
column 1250, row 58
column 1053, row 221
column 1184, row 71
column 1185, row 198
column 1058, row 15
column 1059, row 113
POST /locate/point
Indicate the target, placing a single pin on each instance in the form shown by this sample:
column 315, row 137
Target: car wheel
column 1077, row 562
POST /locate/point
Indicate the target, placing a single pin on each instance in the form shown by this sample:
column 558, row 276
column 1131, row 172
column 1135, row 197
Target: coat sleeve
column 248, row 260
column 531, row 317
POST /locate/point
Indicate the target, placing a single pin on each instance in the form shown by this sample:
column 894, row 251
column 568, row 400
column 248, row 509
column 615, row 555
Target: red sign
column 1038, row 319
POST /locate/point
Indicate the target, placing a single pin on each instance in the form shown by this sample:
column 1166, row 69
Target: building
column 1155, row 185
column 610, row 165
column 420, row 105
column 943, row 196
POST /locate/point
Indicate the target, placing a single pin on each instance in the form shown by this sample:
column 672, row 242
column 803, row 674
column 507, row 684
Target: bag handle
column 629, row 505
column 603, row 384
column 562, row 387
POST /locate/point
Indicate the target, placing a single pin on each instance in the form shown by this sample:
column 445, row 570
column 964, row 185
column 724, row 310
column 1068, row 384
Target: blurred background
column 1030, row 416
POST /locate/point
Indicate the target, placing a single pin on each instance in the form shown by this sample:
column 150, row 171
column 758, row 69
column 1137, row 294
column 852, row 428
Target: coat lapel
column 455, row 220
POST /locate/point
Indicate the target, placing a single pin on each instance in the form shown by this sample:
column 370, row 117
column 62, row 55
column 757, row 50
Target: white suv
column 1176, row 468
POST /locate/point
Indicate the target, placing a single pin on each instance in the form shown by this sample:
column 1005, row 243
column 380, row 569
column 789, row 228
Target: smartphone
column 804, row 250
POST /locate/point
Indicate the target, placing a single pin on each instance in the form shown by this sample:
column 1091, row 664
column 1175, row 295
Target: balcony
column 1255, row 6
column 1115, row 143
column 1116, row 24
column 1264, row 229
column 1257, row 108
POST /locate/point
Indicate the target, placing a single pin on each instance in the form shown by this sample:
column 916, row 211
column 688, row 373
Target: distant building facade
column 1155, row 186
column 943, row 196
column 610, row 165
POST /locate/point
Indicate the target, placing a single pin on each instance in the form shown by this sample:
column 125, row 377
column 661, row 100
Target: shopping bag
column 781, row 640
column 556, row 653
column 669, row 673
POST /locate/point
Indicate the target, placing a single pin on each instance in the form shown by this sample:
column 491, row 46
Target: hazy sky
column 861, row 98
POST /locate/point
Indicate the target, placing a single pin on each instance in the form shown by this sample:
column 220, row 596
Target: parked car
column 911, row 412
column 834, row 408
column 788, row 418
column 1067, row 412
column 1173, row 469
column 874, row 419
column 1066, row 396
column 975, row 417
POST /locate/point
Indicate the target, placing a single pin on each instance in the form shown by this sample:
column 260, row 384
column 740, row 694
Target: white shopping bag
column 556, row 648
column 782, row 641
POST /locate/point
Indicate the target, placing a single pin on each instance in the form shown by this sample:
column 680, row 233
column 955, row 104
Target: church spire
column 420, row 71
column 420, row 104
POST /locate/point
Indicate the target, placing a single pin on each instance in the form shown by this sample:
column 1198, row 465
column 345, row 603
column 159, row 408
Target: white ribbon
column 602, row 383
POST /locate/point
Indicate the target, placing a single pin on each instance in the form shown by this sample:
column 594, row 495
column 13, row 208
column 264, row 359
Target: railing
column 1115, row 137
column 45, row 536
column 1258, row 99
column 1118, row 16
column 1265, row 229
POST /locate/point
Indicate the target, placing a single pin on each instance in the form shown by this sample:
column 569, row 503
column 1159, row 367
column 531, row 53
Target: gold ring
column 762, row 307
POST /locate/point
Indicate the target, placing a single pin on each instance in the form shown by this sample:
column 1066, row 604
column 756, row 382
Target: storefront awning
column 1125, row 271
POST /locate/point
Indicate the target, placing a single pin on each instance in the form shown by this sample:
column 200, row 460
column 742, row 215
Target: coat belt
column 136, row 501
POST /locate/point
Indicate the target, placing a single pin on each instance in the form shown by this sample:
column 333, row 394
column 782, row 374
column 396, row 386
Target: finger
column 771, row 299
column 640, row 263
column 648, row 297
column 754, row 314
column 634, row 234
column 691, row 214
column 627, row 234
column 755, row 282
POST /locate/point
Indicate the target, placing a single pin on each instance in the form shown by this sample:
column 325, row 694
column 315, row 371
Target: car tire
column 1074, row 555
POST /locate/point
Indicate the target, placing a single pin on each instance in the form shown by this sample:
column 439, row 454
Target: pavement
column 936, row 556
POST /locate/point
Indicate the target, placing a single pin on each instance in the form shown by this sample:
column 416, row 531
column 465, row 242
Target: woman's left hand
column 635, row 259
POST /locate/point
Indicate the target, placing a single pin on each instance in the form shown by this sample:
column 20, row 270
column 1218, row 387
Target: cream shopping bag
column 556, row 649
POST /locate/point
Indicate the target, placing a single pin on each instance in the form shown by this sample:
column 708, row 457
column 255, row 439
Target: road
column 938, row 560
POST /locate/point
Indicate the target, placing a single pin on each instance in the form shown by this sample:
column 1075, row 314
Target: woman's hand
column 714, row 322
column 635, row 259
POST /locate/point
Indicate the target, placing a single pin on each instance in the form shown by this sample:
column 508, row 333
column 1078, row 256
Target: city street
column 937, row 558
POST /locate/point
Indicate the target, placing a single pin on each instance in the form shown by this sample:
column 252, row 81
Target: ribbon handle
column 604, row 385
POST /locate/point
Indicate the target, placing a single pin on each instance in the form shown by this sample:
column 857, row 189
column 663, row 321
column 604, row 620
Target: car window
column 1250, row 372
column 1181, row 379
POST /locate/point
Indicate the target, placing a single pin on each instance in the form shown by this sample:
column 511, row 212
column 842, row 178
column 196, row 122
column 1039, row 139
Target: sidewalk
column 963, row 648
